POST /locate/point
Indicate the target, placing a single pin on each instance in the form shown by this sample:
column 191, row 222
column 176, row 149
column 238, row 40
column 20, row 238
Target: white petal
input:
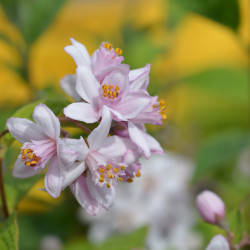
column 114, row 146
column 137, row 137
column 99, row 134
column 22, row 171
column 53, row 178
column 117, row 116
column 82, row 111
column 68, row 84
column 139, row 78
column 81, row 191
column 86, row 85
column 47, row 121
column 79, row 53
column 103, row 195
column 25, row 130
column 154, row 145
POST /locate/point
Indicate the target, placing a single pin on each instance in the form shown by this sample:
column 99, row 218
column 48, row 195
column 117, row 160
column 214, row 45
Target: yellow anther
column 164, row 117
column 108, row 167
column 117, row 88
column 25, row 151
column 108, row 46
column 108, row 185
column 33, row 163
column 23, row 157
column 27, row 163
column 110, row 175
column 116, row 170
column 163, row 109
column 123, row 167
column 101, row 176
column 101, row 180
column 129, row 180
column 118, row 51
column 120, row 179
column 162, row 102
column 138, row 174
column 101, row 170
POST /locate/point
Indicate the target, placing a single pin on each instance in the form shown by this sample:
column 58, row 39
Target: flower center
column 109, row 46
column 29, row 157
column 110, row 92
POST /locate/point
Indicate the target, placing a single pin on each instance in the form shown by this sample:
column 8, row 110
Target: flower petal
column 47, row 121
column 82, row 111
column 86, row 85
column 68, row 84
column 53, row 178
column 137, row 137
column 79, row 53
column 133, row 104
column 81, row 191
column 25, row 130
column 139, row 78
column 103, row 195
column 22, row 171
column 154, row 145
column 99, row 134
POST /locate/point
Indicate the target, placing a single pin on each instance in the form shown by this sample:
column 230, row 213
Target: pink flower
column 102, row 62
column 99, row 167
column 210, row 207
column 40, row 140
column 218, row 242
column 113, row 93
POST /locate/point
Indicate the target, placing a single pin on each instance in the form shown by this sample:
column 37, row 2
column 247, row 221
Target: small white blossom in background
column 218, row 242
column 51, row 242
column 159, row 199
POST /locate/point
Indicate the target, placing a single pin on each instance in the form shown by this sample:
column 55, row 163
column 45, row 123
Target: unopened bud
column 218, row 242
column 210, row 207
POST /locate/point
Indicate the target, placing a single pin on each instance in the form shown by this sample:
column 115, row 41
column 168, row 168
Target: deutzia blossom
column 40, row 140
column 93, row 181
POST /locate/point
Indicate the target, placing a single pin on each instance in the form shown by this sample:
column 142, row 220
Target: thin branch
column 2, row 193
column 78, row 124
column 65, row 133
column 4, row 132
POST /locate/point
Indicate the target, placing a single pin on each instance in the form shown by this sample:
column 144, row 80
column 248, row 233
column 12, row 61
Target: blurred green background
column 200, row 54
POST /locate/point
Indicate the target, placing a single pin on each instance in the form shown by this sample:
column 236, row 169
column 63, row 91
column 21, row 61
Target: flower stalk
column 2, row 193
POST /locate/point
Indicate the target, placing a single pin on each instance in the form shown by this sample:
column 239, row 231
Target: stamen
column 108, row 185
column 138, row 174
column 161, row 107
column 108, row 46
column 120, row 178
column 129, row 180
column 29, row 157
column 116, row 170
column 110, row 92
column 108, row 167
column 123, row 167
column 118, row 51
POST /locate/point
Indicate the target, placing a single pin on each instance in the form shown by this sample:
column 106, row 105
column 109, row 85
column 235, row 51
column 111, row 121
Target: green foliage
column 225, row 12
column 9, row 234
column 31, row 17
column 135, row 240
column 220, row 149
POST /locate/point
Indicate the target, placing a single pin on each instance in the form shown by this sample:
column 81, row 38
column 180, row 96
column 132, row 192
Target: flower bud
column 210, row 207
column 218, row 242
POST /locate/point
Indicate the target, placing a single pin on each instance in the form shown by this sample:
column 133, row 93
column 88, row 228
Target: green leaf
column 235, row 224
column 220, row 149
column 225, row 12
column 31, row 17
column 9, row 234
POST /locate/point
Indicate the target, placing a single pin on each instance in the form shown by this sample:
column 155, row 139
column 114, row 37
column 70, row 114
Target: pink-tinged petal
column 81, row 111
column 81, row 191
column 133, row 104
column 114, row 146
column 25, row 130
column 139, row 78
column 118, row 77
column 47, row 121
column 22, row 171
column 79, row 53
column 117, row 116
column 53, row 178
column 99, row 134
column 103, row 195
column 86, row 85
column 72, row 153
column 68, row 84
column 154, row 145
column 137, row 137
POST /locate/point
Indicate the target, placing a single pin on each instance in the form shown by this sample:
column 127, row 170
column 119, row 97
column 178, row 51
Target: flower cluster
column 108, row 93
